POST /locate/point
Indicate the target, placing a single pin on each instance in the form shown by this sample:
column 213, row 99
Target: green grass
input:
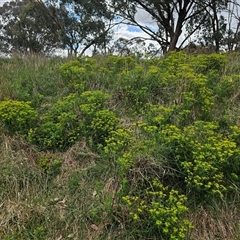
column 161, row 105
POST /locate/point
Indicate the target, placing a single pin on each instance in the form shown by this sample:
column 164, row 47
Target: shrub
column 161, row 210
column 118, row 142
column 17, row 116
column 91, row 102
column 73, row 70
column 76, row 116
column 59, row 127
column 210, row 63
column 86, row 71
column 158, row 115
column 202, row 155
column 197, row 101
column 118, row 64
column 103, row 123
column 52, row 135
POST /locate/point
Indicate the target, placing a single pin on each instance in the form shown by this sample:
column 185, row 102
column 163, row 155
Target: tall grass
column 31, row 78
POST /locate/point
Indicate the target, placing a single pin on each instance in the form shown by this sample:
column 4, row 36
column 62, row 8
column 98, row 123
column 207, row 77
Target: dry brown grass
column 27, row 203
column 79, row 155
column 222, row 223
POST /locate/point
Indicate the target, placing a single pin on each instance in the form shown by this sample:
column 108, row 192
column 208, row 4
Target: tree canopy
column 175, row 22
column 83, row 23
column 41, row 26
column 27, row 28
column 38, row 26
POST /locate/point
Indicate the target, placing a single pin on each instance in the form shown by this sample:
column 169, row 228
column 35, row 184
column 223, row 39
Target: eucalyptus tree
column 26, row 28
column 136, row 46
column 173, row 22
column 83, row 24
column 232, row 38
column 213, row 30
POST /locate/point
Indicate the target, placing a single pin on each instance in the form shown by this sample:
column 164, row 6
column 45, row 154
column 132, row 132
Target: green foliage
column 77, row 116
column 134, row 91
column 202, row 155
column 91, row 102
column 97, row 121
column 161, row 210
column 158, row 115
column 73, row 70
column 118, row 64
column 95, row 73
column 17, row 116
column 175, row 120
column 118, row 142
column 22, row 20
column 51, row 164
column 103, row 123
column 32, row 79
column 210, row 63
column 59, row 127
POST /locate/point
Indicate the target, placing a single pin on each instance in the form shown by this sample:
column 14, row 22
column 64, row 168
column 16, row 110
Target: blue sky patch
column 133, row 29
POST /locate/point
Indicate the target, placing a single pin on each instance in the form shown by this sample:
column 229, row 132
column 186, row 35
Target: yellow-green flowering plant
column 17, row 116
column 202, row 154
column 58, row 127
column 161, row 209
column 102, row 124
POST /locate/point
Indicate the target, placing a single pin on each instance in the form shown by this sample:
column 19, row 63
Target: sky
column 2, row 1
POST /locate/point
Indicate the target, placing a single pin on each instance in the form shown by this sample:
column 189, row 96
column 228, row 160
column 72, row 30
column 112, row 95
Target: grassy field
column 120, row 148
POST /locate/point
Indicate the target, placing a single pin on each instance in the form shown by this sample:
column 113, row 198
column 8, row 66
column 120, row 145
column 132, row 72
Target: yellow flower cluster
column 162, row 207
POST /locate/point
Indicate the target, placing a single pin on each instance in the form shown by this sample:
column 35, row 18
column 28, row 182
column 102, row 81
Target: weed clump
column 17, row 116
column 161, row 210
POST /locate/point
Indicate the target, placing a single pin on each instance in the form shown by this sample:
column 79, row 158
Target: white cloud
column 2, row 2
column 123, row 32
column 145, row 18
